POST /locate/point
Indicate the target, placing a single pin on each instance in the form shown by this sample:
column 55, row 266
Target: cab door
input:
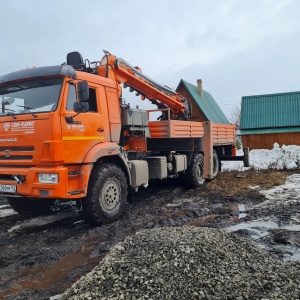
column 80, row 132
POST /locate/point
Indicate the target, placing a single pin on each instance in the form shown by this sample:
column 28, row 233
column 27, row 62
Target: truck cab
column 53, row 127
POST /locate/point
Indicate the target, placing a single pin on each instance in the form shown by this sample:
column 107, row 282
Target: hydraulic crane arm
column 122, row 72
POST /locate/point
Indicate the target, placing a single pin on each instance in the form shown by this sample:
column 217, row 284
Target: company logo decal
column 24, row 126
column 6, row 126
column 6, row 153
column 9, row 140
column 79, row 127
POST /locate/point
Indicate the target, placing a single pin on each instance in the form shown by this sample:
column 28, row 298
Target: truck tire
column 216, row 164
column 30, row 207
column 106, row 197
column 194, row 173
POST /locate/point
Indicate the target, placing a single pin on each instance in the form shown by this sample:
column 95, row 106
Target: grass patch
column 237, row 184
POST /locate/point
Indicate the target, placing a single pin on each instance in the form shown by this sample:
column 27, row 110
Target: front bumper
column 66, row 188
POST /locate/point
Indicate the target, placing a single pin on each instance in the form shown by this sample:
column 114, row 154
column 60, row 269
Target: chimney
column 199, row 87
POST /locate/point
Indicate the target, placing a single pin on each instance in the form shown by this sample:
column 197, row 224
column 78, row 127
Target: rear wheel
column 195, row 172
column 107, row 195
column 30, row 207
column 216, row 164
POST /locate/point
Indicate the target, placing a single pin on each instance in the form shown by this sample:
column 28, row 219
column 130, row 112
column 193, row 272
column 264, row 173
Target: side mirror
column 81, row 107
column 83, row 91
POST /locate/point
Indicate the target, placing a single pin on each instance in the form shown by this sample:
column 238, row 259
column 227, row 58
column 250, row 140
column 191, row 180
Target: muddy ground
column 41, row 257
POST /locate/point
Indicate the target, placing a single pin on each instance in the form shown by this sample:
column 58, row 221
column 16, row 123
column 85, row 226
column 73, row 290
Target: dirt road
column 41, row 257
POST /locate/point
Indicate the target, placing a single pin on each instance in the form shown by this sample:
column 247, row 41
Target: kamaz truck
column 66, row 133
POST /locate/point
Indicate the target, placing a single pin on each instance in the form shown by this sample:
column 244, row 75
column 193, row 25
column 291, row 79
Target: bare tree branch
column 235, row 116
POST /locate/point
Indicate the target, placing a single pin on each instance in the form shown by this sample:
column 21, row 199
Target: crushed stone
column 188, row 263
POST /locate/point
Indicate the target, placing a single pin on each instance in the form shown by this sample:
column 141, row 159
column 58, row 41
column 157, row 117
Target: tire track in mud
column 43, row 260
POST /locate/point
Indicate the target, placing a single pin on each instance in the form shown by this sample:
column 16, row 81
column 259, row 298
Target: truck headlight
column 48, row 178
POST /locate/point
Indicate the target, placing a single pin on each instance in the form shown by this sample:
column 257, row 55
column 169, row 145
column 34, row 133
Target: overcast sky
column 237, row 47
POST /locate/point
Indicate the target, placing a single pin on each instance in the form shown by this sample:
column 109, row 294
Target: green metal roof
column 206, row 104
column 270, row 111
column 269, row 130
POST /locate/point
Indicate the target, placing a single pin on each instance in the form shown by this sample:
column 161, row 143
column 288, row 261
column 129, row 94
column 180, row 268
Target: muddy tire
column 30, row 207
column 107, row 195
column 216, row 164
column 194, row 174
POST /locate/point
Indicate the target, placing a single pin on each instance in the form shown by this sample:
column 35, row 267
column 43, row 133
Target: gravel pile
column 188, row 263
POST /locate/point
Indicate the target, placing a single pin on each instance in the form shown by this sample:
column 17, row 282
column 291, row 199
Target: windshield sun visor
column 63, row 70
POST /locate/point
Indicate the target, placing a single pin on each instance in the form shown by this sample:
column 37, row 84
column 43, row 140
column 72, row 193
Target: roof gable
column 271, row 110
column 206, row 104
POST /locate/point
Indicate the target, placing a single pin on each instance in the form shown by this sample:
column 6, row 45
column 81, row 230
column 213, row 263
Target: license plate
column 8, row 188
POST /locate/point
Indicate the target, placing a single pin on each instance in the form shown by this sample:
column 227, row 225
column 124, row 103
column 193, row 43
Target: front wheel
column 107, row 195
column 195, row 172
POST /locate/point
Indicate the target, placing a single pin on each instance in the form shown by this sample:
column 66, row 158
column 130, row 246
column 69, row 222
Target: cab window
column 71, row 97
column 92, row 101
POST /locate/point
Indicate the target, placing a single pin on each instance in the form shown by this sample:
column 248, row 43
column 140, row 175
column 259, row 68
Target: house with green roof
column 269, row 119
column 203, row 105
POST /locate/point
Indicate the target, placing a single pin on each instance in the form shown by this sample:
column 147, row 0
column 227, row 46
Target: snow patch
column 282, row 194
column 286, row 157
column 6, row 211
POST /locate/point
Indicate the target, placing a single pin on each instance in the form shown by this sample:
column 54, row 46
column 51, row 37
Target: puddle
column 294, row 257
column 242, row 208
column 291, row 227
column 257, row 229
column 263, row 233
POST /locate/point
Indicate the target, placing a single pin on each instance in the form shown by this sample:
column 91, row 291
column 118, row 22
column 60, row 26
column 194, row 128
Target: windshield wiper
column 9, row 112
column 28, row 108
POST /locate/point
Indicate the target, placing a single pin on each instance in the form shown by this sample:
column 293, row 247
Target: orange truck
column 67, row 134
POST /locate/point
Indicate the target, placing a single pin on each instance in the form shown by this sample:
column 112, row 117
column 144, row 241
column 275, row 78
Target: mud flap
column 246, row 157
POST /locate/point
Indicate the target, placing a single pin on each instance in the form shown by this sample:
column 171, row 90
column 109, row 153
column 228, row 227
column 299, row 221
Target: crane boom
column 124, row 73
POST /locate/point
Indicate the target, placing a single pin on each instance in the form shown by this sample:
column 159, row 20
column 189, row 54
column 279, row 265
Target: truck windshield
column 30, row 97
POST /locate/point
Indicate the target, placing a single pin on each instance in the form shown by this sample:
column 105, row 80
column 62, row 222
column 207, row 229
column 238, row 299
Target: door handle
column 100, row 129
